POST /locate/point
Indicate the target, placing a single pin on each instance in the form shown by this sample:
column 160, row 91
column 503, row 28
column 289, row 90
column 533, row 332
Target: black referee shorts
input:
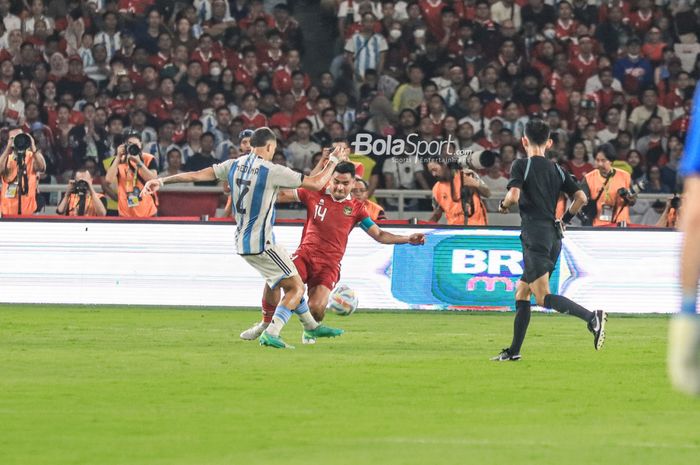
column 541, row 248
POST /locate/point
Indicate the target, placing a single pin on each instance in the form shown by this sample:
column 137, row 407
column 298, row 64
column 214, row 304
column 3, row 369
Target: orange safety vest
column 609, row 196
column 375, row 211
column 442, row 193
column 128, row 180
column 9, row 197
column 74, row 200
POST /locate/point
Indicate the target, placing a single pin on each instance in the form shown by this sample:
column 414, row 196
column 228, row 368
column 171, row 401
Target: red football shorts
column 315, row 272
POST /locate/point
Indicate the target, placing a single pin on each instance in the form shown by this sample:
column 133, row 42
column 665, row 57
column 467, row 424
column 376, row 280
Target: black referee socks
column 564, row 305
column 522, row 320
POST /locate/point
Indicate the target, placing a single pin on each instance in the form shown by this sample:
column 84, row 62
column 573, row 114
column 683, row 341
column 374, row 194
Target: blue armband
column 367, row 223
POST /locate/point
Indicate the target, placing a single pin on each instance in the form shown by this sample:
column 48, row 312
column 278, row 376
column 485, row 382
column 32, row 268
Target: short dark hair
column 262, row 136
column 345, row 167
column 607, row 150
column 537, row 131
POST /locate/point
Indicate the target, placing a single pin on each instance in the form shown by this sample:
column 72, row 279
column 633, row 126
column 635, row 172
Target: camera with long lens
column 133, row 149
column 22, row 143
column 474, row 160
column 81, row 187
column 634, row 189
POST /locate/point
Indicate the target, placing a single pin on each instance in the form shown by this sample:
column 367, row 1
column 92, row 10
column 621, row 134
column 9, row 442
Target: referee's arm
column 579, row 198
column 517, row 179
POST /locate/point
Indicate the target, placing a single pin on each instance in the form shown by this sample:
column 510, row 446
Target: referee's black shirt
column 540, row 185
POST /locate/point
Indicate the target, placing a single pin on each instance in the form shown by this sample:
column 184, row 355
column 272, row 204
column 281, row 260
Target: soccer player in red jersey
column 330, row 217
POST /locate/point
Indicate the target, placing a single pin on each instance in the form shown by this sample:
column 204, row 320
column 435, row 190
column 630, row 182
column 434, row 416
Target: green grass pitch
column 166, row 386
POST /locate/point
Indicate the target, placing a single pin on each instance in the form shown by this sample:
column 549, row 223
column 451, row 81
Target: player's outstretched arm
column 320, row 180
column 286, row 196
column 385, row 237
column 206, row 174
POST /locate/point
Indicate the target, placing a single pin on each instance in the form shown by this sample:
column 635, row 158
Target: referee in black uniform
column 535, row 185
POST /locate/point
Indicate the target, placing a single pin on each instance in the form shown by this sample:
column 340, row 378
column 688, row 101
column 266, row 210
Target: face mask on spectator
column 550, row 33
column 395, row 33
column 215, row 71
column 419, row 33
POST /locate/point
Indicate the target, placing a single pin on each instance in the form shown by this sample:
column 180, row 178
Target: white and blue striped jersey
column 690, row 162
column 254, row 186
column 366, row 51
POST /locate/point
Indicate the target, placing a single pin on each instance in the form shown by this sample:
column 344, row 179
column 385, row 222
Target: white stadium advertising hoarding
column 194, row 264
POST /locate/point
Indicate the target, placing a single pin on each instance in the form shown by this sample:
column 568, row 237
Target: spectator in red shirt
column 282, row 78
column 134, row 7
column 125, row 97
column 642, row 19
column 565, row 26
column 283, row 118
column 503, row 94
column 252, row 118
column 653, row 48
column 578, row 164
column 161, row 106
column 205, row 53
column 248, row 71
column 432, row 10
column 437, row 113
column 164, row 55
column 446, row 35
column 584, row 64
column 270, row 55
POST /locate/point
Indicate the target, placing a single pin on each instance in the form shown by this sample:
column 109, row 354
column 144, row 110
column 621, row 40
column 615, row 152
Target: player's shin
column 307, row 320
column 268, row 311
column 280, row 318
column 564, row 305
column 522, row 320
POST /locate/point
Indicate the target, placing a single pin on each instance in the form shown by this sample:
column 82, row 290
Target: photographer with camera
column 20, row 164
column 81, row 199
column 459, row 190
column 130, row 171
column 610, row 191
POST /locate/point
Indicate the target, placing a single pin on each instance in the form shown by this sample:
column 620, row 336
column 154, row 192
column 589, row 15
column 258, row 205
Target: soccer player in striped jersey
column 330, row 217
column 255, row 183
column 684, row 335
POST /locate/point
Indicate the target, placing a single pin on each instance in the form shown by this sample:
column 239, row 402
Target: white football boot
column 254, row 331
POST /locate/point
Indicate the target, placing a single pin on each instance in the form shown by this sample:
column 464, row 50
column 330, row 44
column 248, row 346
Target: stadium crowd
column 189, row 76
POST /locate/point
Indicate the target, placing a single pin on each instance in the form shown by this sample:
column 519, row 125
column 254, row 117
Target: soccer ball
column 343, row 301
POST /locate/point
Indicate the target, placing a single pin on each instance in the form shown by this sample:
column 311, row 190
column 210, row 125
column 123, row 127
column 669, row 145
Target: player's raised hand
column 416, row 239
column 344, row 154
column 151, row 186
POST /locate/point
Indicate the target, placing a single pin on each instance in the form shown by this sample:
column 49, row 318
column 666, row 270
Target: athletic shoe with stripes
column 254, row 331
column 506, row 356
column 597, row 327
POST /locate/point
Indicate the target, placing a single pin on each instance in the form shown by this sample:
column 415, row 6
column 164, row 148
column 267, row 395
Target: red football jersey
column 328, row 223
